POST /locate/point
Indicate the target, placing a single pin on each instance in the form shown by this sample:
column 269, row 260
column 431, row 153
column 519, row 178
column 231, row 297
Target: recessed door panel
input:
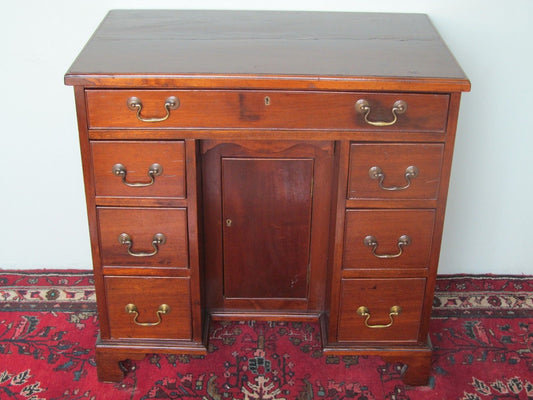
column 266, row 226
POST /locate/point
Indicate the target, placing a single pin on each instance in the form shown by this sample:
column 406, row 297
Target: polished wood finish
column 148, row 295
column 137, row 157
column 394, row 159
column 246, row 49
column 142, row 224
column 237, row 109
column 265, row 197
column 266, row 211
column 387, row 226
column 379, row 295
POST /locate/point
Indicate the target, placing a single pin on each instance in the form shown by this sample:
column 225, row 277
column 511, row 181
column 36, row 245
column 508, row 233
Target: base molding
column 416, row 359
column 111, row 352
column 261, row 315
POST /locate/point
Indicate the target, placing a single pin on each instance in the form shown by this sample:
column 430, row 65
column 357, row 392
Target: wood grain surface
column 265, row 196
column 188, row 44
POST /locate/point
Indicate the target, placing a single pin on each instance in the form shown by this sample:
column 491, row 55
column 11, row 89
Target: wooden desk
column 266, row 165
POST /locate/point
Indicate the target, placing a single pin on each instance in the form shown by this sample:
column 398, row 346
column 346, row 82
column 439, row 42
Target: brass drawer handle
column 158, row 239
column 135, row 104
column 163, row 309
column 365, row 313
column 154, row 170
column 371, row 241
column 376, row 172
column 362, row 106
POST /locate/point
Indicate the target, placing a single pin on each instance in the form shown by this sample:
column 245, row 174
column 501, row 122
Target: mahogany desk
column 266, row 165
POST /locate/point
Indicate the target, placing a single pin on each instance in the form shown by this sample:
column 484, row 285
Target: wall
column 43, row 221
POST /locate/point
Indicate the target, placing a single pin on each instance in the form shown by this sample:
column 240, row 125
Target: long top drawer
column 234, row 109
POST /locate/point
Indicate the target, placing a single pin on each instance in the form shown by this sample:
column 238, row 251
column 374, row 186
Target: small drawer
column 154, row 307
column 388, row 238
column 235, row 109
column 143, row 237
column 394, row 171
column 139, row 169
column 378, row 310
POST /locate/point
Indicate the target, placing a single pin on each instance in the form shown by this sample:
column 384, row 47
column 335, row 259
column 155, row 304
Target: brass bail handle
column 371, row 241
column 135, row 104
column 132, row 309
column 362, row 106
column 365, row 313
column 154, row 170
column 157, row 240
column 376, row 173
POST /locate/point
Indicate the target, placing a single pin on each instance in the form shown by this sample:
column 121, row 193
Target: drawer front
column 227, row 109
column 394, row 171
column 388, row 238
column 379, row 296
column 145, row 297
column 142, row 225
column 139, row 169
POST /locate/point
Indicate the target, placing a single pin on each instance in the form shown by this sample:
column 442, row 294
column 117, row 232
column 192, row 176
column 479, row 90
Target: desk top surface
column 172, row 46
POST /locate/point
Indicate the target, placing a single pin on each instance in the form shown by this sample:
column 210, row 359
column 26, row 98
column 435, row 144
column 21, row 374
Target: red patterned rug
column 482, row 332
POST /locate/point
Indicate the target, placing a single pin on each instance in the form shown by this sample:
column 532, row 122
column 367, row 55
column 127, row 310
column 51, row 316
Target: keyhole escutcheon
column 228, row 222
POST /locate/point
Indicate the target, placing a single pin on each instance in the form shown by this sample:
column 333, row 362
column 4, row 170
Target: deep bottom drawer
column 133, row 304
column 378, row 299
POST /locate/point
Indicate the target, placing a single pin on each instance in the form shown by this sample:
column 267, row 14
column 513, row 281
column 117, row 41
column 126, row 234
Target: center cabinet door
column 266, row 224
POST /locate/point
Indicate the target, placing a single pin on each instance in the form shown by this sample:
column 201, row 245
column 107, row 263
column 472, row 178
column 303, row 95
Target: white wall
column 43, row 218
